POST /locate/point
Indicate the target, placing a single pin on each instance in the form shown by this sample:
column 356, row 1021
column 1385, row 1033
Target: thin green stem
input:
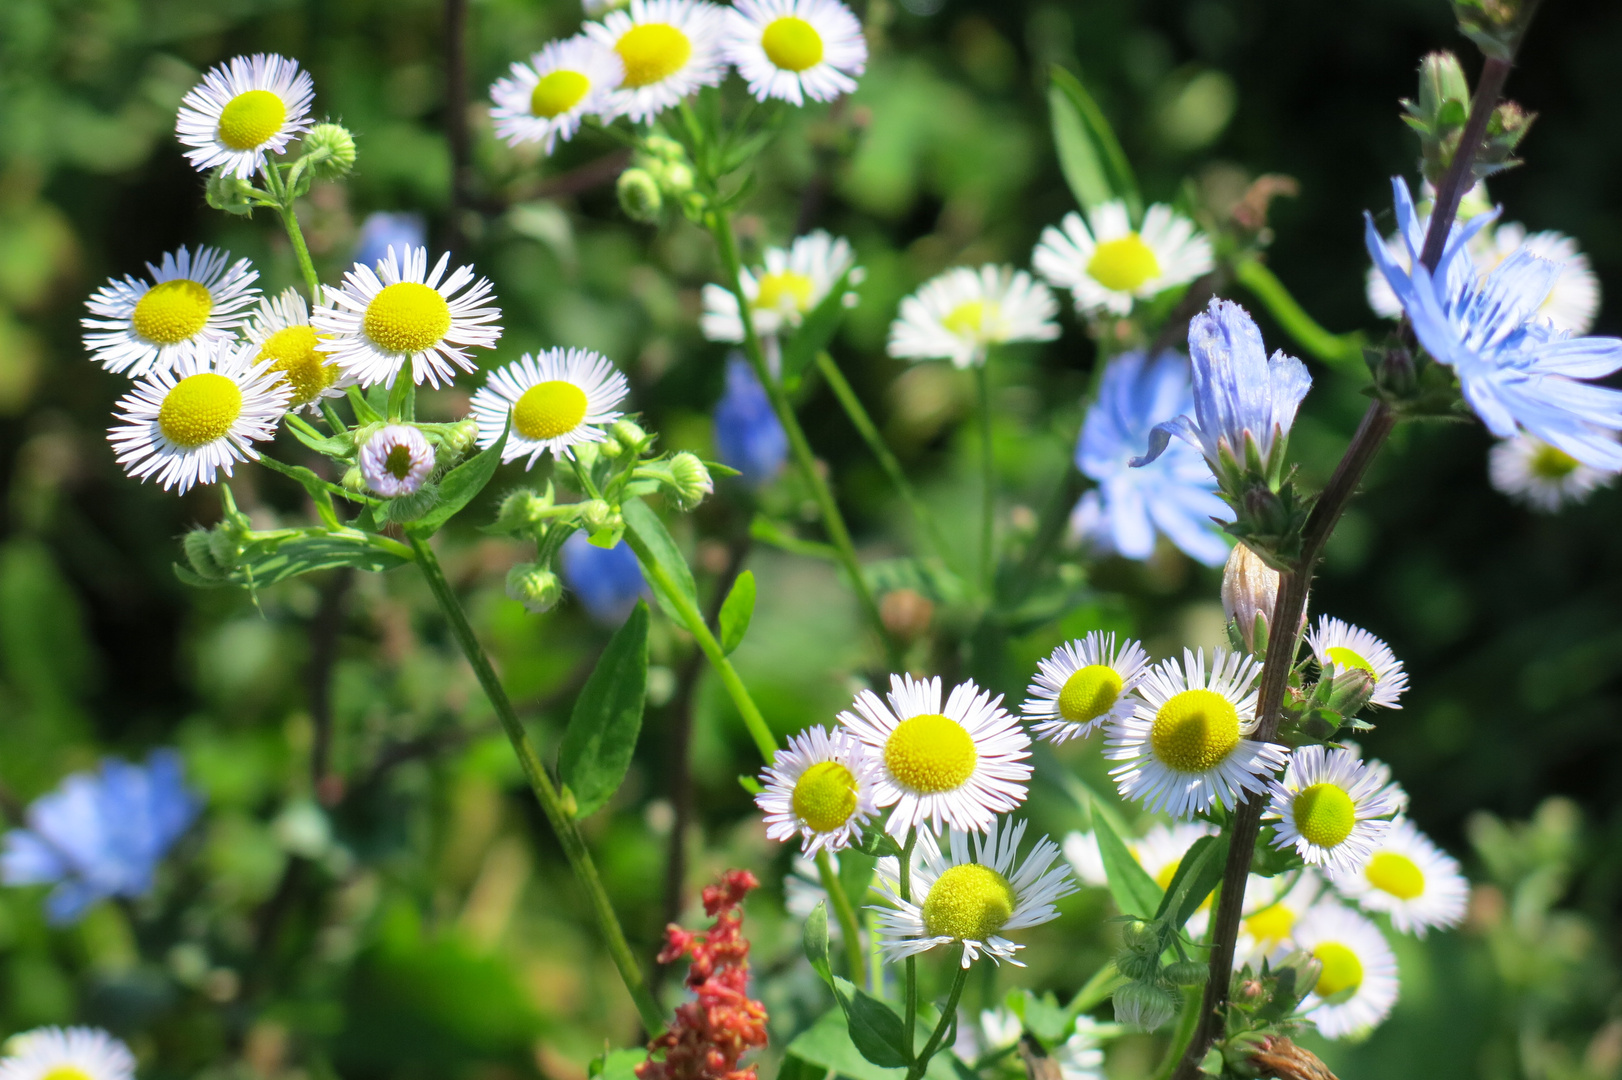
column 843, row 912
column 875, row 956
column 574, row 845
column 988, row 476
column 948, row 1013
column 912, row 961
column 301, row 251
column 1340, row 350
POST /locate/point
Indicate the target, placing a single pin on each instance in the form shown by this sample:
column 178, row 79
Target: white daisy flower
column 546, row 99
column 795, row 49
column 667, row 48
column 399, row 312
column 819, row 787
column 75, row 1053
column 1185, row 749
column 1272, row 910
column 1330, row 807
column 1543, row 477
column 191, row 299
column 1358, row 985
column 960, row 314
column 1081, row 852
column 971, row 900
column 1412, row 880
column 281, row 328
column 1110, row 265
column 243, row 110
column 1083, row 685
column 961, row 765
column 198, row 417
column 1346, row 646
column 557, row 400
column 396, row 461
column 1081, row 1056
column 780, row 294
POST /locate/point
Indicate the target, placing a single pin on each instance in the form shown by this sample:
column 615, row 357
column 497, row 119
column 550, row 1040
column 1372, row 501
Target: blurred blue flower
column 1174, row 494
column 1515, row 369
column 747, row 434
column 101, row 834
column 382, row 230
column 607, row 581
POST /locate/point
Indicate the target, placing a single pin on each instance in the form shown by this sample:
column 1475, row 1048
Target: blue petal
column 29, row 860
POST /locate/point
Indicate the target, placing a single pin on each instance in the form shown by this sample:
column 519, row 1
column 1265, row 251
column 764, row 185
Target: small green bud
column 627, row 439
column 639, row 196
column 198, row 544
column 597, row 515
column 1138, row 966
column 663, row 148
column 331, row 149
column 1141, row 936
column 1349, row 692
column 534, row 586
column 694, row 206
column 690, row 480
column 1145, row 1006
column 228, row 193
column 1496, row 26
column 462, row 436
column 676, row 178
column 521, row 511
column 1188, row 973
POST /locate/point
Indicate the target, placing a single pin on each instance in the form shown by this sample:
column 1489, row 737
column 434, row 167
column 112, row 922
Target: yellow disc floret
column 1346, row 659
column 199, row 409
column 784, row 291
column 406, row 317
column 549, row 409
column 172, row 311
column 652, row 53
column 1324, row 814
column 293, row 350
column 1271, row 924
column 66, row 1072
column 970, row 318
column 1123, row 264
column 1343, row 971
column 1396, row 874
column 1089, row 693
column 825, row 796
column 968, row 902
column 930, row 753
column 792, row 43
column 251, row 119
column 1195, row 731
column 557, row 93
column 1549, row 463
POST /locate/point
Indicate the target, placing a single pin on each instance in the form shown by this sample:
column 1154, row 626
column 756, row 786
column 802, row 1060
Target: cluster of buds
column 1496, row 26
column 660, row 172
column 1260, row 1010
column 328, row 154
column 1151, row 996
column 713, row 1031
column 1440, row 111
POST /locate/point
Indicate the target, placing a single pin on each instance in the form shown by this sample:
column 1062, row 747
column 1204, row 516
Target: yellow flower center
column 930, row 753
column 293, row 349
column 1167, row 872
column 65, row 1072
column 825, row 796
column 1396, row 874
column 1271, row 924
column 1123, row 264
column 406, row 317
column 968, row 902
column 652, row 52
column 792, row 43
column 549, row 409
column 172, row 311
column 784, row 291
column 1089, row 693
column 558, row 92
column 200, row 409
column 249, row 120
column 1346, row 659
column 1195, row 731
column 970, row 318
column 1551, row 464
column 1324, row 814
column 1343, row 971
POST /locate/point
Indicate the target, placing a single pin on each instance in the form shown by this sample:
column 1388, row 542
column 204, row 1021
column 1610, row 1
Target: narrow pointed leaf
column 460, row 486
column 736, row 612
column 1135, row 892
column 607, row 718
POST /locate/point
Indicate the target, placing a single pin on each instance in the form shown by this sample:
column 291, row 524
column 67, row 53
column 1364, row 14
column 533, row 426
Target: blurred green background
column 388, row 902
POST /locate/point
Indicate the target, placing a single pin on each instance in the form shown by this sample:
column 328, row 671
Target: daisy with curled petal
column 1346, row 646
column 962, row 764
column 396, row 461
column 970, row 899
column 1544, row 477
column 1184, row 749
column 960, row 314
column 1108, row 265
column 667, row 50
column 75, row 1053
column 1358, row 985
column 780, row 294
column 546, row 99
column 795, row 49
column 1412, row 880
column 1083, row 685
column 820, row 787
column 200, row 416
column 191, row 298
column 1330, row 806
column 556, row 401
column 401, row 312
column 281, row 328
column 243, row 110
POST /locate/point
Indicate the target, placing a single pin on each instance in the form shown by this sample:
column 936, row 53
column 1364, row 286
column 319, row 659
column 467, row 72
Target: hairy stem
column 843, row 911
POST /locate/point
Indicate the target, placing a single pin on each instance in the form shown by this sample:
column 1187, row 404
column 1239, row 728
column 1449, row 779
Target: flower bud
column 1138, row 966
column 639, row 195
column 597, row 515
column 1496, row 26
column 906, row 614
column 676, row 178
column 1142, row 936
column 534, row 586
column 331, row 150
column 626, row 439
column 664, row 148
column 460, row 437
column 228, row 193
column 521, row 511
column 1249, row 591
column 1144, row 1005
column 690, row 480
column 1188, row 973
column 1350, row 691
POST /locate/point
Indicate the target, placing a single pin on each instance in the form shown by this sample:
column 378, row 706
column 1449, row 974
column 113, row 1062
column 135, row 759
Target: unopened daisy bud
column 626, row 439
column 521, row 511
column 1496, row 26
column 664, row 148
column 597, row 515
column 534, row 586
column 675, row 178
column 1144, row 1005
column 461, row 437
column 1249, row 591
column 1141, row 935
column 639, row 195
column 1349, row 691
column 331, row 150
column 1138, row 966
column 228, row 193
column 690, row 480
column 396, row 461
column 1188, row 973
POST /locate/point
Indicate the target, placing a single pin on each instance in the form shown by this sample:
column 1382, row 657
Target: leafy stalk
column 843, row 911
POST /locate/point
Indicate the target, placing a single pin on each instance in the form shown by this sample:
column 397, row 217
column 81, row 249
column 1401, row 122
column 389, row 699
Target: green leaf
column 460, row 485
column 365, row 413
column 1197, row 874
column 737, row 611
column 652, row 537
column 816, row 330
column 750, row 784
column 1088, row 147
column 336, row 446
column 607, row 717
column 816, row 942
column 827, row 1044
column 856, row 874
column 265, row 562
column 767, row 531
column 1135, row 892
column 616, row 1064
column 1046, row 1019
column 875, row 1029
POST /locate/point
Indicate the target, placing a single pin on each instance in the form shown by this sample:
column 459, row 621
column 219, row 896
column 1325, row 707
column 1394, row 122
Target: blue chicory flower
column 607, row 581
column 381, row 231
column 1515, row 369
column 101, row 834
column 748, row 436
column 1175, row 494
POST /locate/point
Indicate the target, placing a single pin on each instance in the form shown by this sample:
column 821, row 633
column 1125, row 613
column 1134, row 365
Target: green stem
column 912, row 961
column 1341, row 350
column 301, row 251
column 574, row 845
column 1187, row 1022
column 875, row 956
column 948, row 1013
column 843, row 912
column 988, row 466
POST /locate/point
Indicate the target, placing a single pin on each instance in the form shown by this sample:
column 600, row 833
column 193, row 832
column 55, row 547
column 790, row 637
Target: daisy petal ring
column 243, row 110
column 1084, row 685
column 191, row 298
column 557, row 400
